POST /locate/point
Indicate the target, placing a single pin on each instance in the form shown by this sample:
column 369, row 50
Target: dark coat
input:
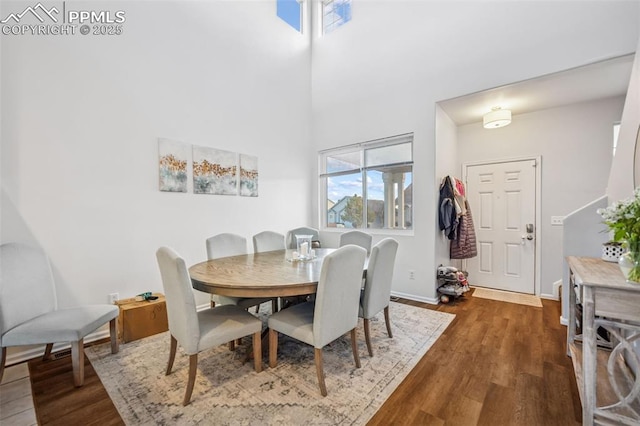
column 447, row 217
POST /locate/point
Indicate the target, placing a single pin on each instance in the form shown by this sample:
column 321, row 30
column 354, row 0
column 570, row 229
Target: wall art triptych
column 214, row 171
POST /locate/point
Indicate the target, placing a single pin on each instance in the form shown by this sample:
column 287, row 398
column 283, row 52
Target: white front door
column 502, row 198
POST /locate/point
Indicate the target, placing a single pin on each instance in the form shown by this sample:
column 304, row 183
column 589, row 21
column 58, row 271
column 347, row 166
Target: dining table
column 269, row 274
column 266, row 274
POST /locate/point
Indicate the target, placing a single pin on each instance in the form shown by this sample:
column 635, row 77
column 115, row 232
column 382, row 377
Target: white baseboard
column 556, row 289
column 34, row 352
column 549, row 296
column 416, row 298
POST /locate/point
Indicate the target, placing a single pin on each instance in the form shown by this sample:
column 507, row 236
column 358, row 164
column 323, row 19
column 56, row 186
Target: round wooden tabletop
column 266, row 274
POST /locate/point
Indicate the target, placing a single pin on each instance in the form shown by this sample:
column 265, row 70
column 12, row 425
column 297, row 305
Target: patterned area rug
column 229, row 392
column 508, row 296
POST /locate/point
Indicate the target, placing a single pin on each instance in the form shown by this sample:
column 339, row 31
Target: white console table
column 608, row 301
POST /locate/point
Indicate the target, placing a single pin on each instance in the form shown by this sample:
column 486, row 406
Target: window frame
column 323, row 29
column 361, row 147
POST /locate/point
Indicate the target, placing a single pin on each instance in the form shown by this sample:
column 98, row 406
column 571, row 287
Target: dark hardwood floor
column 58, row 402
column 497, row 364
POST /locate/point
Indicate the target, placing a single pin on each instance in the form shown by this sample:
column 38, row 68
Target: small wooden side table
column 608, row 301
column 140, row 319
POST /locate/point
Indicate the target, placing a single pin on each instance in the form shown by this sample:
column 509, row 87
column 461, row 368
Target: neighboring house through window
column 368, row 185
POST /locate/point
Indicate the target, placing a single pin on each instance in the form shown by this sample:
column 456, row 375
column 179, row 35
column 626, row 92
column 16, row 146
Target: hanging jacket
column 447, row 217
column 464, row 247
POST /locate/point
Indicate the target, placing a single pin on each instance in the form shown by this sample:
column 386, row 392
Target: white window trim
column 361, row 146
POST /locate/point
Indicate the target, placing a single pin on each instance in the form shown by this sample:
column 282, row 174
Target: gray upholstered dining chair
column 358, row 238
column 195, row 330
column 226, row 245
column 268, row 241
column 334, row 312
column 291, row 235
column 377, row 289
column 29, row 313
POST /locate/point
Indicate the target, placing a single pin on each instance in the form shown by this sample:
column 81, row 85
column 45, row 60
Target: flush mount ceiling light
column 498, row 117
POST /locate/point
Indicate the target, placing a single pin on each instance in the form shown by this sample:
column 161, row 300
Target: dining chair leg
column 113, row 331
column 257, row 351
column 274, row 305
column 354, row 347
column 193, row 369
column 367, row 336
column 257, row 309
column 77, row 361
column 3, row 359
column 172, row 355
column 320, row 371
column 387, row 322
column 273, row 348
column 47, row 352
column 232, row 345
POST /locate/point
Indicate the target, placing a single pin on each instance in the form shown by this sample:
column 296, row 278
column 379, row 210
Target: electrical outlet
column 557, row 220
column 113, row 298
column 412, row 274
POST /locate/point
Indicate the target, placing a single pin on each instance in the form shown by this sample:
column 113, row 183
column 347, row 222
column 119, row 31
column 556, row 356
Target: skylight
column 290, row 11
column 335, row 13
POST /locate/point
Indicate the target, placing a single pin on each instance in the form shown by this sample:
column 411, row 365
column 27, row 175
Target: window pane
column 376, row 196
column 390, row 198
column 335, row 13
column 342, row 162
column 392, row 154
column 290, row 11
column 375, row 199
column 344, row 201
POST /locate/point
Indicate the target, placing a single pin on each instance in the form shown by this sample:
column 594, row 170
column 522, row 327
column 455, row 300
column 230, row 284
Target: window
column 368, row 185
column 616, row 131
column 290, row 11
column 335, row 13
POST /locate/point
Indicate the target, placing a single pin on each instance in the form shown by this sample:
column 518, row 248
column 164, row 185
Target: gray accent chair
column 334, row 312
column 226, row 245
column 291, row 235
column 377, row 288
column 29, row 313
column 268, row 241
column 357, row 238
column 197, row 331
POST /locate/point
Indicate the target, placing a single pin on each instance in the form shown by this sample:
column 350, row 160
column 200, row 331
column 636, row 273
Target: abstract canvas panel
column 214, row 171
column 172, row 164
column 248, row 175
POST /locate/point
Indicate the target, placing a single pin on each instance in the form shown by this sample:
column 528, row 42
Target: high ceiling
column 595, row 81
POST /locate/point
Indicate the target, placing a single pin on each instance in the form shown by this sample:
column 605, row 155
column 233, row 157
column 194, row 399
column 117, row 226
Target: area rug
column 228, row 392
column 507, row 296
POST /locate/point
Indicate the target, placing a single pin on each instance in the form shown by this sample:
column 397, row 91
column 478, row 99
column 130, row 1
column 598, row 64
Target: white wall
column 446, row 151
column 382, row 74
column 81, row 116
column 575, row 143
column 583, row 235
column 621, row 180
